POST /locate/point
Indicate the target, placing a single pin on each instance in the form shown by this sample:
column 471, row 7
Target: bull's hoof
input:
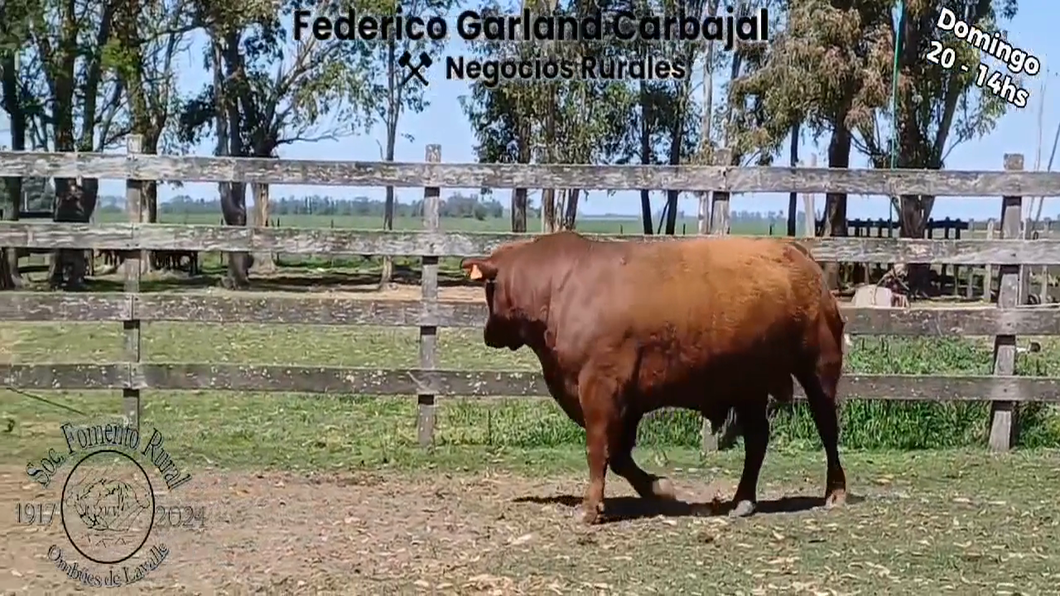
column 662, row 488
column 743, row 508
column 590, row 515
column 837, row 498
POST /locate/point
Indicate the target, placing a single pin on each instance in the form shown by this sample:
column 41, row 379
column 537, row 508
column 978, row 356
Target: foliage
column 528, row 423
column 291, row 90
column 454, row 206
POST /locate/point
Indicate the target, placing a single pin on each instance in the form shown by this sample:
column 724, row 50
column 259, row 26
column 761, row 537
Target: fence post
column 969, row 291
column 429, row 287
column 1008, row 296
column 807, row 201
column 988, row 273
column 713, row 439
column 131, row 325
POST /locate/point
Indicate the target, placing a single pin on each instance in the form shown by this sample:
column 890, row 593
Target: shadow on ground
column 632, row 508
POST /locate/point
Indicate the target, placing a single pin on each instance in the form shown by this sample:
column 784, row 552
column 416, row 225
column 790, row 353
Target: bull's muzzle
column 493, row 337
column 498, row 335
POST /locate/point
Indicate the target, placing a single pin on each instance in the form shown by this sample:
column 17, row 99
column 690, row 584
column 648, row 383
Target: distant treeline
column 456, row 205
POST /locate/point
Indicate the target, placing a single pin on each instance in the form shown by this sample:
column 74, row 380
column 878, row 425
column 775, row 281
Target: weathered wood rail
column 1004, row 321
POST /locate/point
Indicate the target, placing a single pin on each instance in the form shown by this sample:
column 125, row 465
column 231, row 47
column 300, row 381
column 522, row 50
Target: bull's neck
column 536, row 337
column 542, row 343
column 534, row 326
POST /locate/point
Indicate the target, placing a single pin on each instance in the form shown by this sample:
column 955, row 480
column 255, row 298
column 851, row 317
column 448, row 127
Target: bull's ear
column 479, row 269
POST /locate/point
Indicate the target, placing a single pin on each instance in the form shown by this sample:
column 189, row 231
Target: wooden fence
column 1004, row 321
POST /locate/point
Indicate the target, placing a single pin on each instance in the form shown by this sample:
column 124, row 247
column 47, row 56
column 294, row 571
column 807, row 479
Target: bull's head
column 504, row 325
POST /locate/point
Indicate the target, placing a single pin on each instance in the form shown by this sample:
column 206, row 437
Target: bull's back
column 719, row 285
column 695, row 309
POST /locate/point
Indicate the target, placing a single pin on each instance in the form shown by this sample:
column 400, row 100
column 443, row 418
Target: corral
column 486, row 510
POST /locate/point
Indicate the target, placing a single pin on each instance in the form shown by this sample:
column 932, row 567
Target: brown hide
column 693, row 324
column 624, row 328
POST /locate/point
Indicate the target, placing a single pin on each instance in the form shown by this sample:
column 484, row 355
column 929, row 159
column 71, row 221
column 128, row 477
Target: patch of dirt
column 434, row 532
column 339, row 533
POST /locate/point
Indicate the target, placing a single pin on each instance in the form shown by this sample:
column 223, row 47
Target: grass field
column 311, row 494
column 514, row 423
column 463, row 224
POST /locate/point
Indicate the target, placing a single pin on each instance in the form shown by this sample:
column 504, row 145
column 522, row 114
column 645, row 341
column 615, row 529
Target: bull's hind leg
column 755, row 422
column 622, row 463
column 820, row 388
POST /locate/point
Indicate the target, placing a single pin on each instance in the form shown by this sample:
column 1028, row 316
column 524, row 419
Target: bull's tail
column 833, row 343
column 833, row 319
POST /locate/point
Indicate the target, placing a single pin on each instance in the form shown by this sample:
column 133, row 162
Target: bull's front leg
column 603, row 427
column 596, row 450
column 622, row 463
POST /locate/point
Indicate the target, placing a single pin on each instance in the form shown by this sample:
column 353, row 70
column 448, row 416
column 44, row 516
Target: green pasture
column 329, row 431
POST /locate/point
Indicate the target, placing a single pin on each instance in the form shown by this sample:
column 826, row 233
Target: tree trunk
column 519, row 194
column 232, row 195
column 913, row 217
column 645, row 213
column 61, row 86
column 645, row 158
column 835, row 204
column 519, row 210
column 392, row 115
column 677, row 134
column 793, row 198
column 263, row 262
column 570, row 214
column 9, row 274
column 68, row 267
column 234, row 211
column 677, row 138
column 549, row 222
column 10, row 279
column 151, row 199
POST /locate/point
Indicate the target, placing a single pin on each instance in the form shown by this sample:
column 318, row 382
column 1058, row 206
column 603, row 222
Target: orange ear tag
column 476, row 273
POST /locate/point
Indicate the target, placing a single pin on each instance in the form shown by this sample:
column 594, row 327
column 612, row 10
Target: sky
column 443, row 122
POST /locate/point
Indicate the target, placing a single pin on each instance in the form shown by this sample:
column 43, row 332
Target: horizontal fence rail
column 465, row 383
column 311, row 310
column 469, row 175
column 1011, row 252
column 131, row 237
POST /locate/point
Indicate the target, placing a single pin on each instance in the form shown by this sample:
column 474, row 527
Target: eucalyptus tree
column 68, row 97
column 391, row 92
column 572, row 120
column 825, row 70
column 269, row 90
column 937, row 107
